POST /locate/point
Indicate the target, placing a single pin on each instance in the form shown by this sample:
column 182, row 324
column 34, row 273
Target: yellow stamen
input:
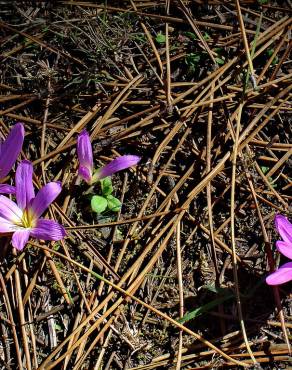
column 28, row 220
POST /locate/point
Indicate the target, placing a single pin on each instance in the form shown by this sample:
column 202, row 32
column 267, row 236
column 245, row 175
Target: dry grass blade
column 233, row 241
column 246, row 46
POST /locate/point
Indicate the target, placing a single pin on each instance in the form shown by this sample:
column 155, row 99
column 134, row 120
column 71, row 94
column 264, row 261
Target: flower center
column 27, row 220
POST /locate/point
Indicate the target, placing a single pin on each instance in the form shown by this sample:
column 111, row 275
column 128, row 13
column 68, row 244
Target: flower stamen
column 28, row 220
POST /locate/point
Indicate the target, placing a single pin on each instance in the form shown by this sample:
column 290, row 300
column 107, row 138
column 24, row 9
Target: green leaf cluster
column 192, row 61
column 105, row 201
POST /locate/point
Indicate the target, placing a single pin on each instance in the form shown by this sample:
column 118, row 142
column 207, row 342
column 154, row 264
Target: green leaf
column 113, row 203
column 212, row 288
column 192, row 59
column 219, row 60
column 139, row 37
column 191, row 35
column 264, row 169
column 219, row 50
column 98, row 203
column 205, row 308
column 275, row 60
column 270, row 52
column 56, row 246
column 160, row 38
column 206, row 36
column 106, row 186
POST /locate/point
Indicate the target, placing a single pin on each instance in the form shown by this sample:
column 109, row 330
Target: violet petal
column 84, row 152
column 7, row 189
column 20, row 238
column 85, row 173
column 48, row 230
column 10, row 149
column 44, row 198
column 9, row 210
column 281, row 276
column 284, row 228
column 118, row 164
column 284, row 248
column 23, row 184
column 6, row 226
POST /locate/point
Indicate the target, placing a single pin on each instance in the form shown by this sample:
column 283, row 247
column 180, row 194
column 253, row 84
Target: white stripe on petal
column 9, row 210
column 6, row 226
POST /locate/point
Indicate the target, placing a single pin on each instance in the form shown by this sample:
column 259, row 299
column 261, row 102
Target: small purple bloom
column 9, row 151
column 23, row 219
column 84, row 152
column 284, row 272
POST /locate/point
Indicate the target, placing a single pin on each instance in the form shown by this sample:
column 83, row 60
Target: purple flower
column 23, row 219
column 84, row 152
column 284, row 272
column 9, row 151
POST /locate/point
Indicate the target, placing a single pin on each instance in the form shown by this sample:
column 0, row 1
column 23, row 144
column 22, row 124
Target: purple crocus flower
column 284, row 272
column 84, row 151
column 9, row 151
column 23, row 219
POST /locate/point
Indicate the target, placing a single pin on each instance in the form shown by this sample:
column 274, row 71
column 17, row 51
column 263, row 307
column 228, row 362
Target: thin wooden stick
column 233, row 241
column 181, row 293
column 245, row 42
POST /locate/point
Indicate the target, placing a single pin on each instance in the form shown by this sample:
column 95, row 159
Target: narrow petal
column 84, row 152
column 44, row 198
column 284, row 248
column 9, row 210
column 281, row 276
column 10, row 149
column 85, row 173
column 284, row 228
column 20, row 238
column 23, row 184
column 118, row 164
column 48, row 230
column 7, row 189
